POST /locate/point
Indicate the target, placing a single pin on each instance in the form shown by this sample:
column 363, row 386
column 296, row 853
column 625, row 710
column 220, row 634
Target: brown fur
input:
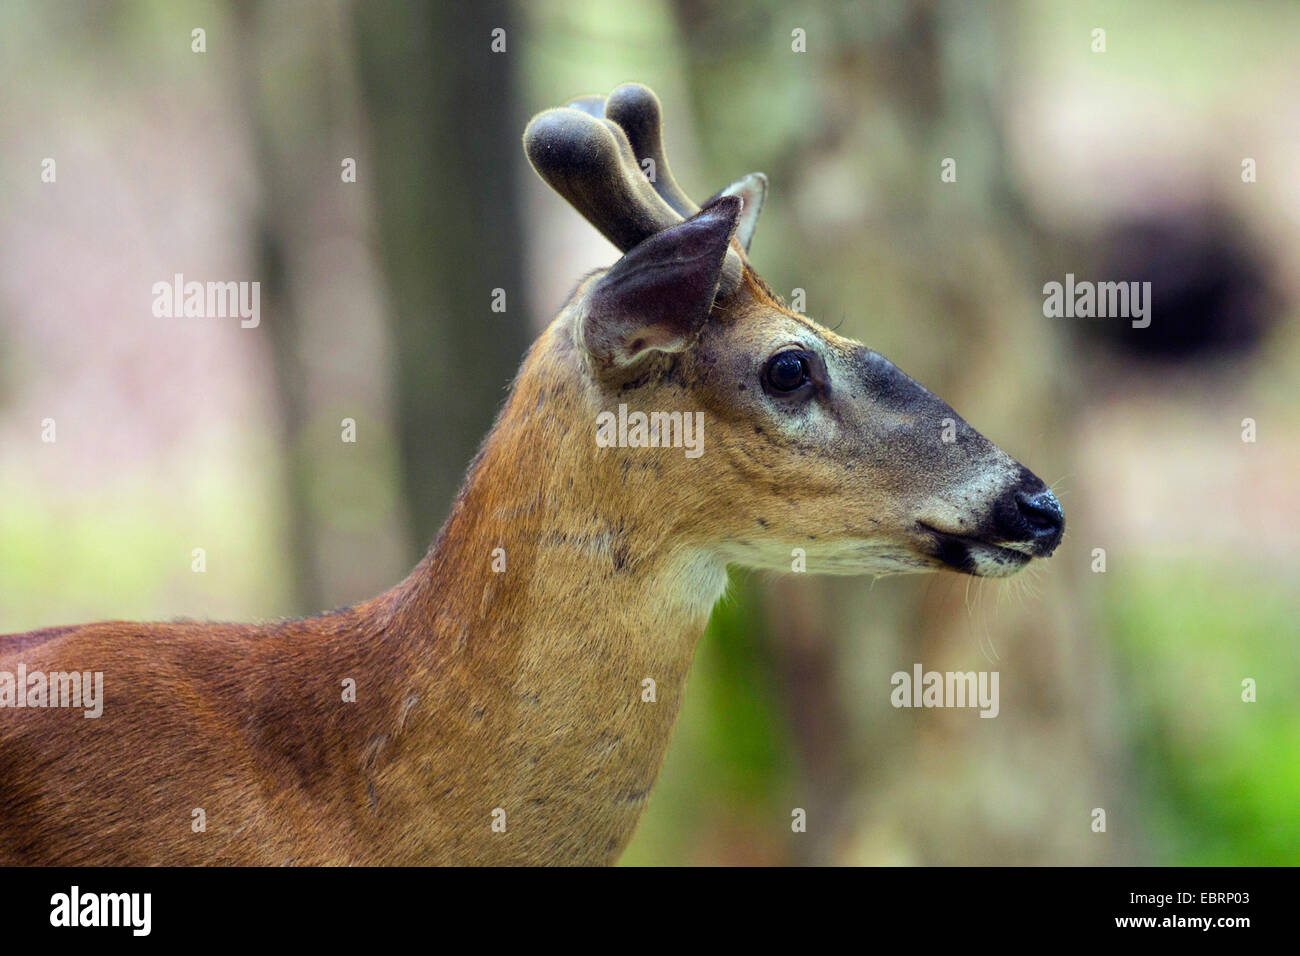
column 476, row 690
column 479, row 690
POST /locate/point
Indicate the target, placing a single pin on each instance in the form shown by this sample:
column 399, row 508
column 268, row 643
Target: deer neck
column 564, row 611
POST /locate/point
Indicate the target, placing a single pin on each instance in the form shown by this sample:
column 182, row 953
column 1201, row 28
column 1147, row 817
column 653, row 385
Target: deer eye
column 787, row 371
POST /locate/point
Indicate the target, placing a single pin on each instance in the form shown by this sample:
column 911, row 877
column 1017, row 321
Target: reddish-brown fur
column 520, row 695
column 476, row 690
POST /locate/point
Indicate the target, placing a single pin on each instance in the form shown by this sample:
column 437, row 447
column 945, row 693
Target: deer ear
column 658, row 295
column 752, row 188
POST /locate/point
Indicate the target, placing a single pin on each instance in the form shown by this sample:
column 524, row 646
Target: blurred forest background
column 1120, row 690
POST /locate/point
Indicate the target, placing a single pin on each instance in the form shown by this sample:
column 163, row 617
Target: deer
column 498, row 710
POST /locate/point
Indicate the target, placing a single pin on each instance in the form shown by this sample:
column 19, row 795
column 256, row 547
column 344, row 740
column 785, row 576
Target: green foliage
column 1219, row 778
column 123, row 551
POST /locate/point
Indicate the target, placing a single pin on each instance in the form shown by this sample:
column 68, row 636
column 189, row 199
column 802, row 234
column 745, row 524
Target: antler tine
column 636, row 108
column 590, row 163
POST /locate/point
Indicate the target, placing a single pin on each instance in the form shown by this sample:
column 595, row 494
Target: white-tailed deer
column 674, row 418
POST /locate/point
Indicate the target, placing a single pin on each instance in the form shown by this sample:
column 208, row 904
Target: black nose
column 1041, row 519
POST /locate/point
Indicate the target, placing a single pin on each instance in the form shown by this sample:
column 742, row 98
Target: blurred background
column 1121, row 689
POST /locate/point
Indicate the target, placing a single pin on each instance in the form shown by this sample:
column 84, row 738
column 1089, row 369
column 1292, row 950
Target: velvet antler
column 592, row 152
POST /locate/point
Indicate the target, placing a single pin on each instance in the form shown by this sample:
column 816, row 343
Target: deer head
column 814, row 441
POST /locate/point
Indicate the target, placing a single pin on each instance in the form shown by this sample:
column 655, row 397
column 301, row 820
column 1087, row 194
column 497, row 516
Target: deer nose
column 1041, row 520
